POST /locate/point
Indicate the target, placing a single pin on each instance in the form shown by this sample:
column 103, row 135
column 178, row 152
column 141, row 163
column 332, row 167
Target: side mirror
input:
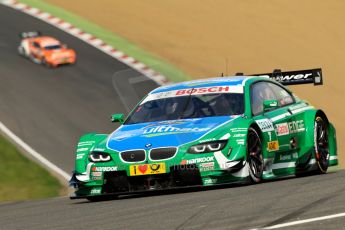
column 270, row 104
column 117, row 118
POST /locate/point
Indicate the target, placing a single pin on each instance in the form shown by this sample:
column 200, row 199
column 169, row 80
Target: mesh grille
column 133, row 156
column 162, row 153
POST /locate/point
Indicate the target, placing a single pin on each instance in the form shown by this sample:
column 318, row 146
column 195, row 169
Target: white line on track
column 33, row 152
column 303, row 221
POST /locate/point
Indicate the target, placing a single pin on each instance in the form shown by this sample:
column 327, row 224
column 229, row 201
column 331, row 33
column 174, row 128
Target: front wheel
column 321, row 145
column 45, row 63
column 254, row 156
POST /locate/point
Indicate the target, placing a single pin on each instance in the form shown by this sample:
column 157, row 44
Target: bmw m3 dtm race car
column 208, row 132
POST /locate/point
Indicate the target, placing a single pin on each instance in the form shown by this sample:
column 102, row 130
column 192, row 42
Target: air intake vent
column 133, row 156
column 162, row 153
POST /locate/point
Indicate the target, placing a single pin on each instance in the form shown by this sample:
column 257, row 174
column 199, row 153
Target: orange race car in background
column 45, row 50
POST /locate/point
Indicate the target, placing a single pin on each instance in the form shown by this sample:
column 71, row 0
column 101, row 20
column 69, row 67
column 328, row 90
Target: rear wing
column 309, row 76
column 30, row 34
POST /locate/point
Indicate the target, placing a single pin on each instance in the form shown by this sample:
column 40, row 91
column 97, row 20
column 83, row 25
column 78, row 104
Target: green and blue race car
column 208, row 132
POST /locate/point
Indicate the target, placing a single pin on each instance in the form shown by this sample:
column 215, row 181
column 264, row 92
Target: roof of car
column 47, row 41
column 210, row 82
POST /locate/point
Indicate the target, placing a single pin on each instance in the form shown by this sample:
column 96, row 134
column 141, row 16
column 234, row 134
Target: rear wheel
column 321, row 144
column 254, row 156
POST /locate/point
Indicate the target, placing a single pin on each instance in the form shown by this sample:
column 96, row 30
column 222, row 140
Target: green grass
column 157, row 63
column 21, row 179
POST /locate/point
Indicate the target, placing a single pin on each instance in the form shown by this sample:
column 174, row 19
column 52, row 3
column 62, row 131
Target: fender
column 85, row 145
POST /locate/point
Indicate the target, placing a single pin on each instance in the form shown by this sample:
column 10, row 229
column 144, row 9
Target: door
column 275, row 125
column 36, row 50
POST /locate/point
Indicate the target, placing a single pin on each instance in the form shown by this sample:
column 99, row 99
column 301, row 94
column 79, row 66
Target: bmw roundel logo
column 148, row 145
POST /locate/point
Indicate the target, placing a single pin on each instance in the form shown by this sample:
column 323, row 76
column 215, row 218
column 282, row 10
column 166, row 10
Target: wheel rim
column 255, row 159
column 321, row 144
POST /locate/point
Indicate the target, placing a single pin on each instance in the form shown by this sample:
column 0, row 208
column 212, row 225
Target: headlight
column 207, row 147
column 99, row 157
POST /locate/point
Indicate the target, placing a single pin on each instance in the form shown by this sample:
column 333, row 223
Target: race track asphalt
column 50, row 108
column 236, row 207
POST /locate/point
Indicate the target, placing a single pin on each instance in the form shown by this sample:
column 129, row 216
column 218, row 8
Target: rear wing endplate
column 30, row 34
column 309, row 76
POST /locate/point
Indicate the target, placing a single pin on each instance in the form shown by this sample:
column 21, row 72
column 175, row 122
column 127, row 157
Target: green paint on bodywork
column 282, row 158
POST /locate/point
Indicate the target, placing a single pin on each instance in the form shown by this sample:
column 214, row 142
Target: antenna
column 226, row 66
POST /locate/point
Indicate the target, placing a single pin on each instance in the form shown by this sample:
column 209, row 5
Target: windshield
column 54, row 47
column 190, row 106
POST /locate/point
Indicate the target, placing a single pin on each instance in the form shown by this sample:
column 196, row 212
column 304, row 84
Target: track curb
column 89, row 39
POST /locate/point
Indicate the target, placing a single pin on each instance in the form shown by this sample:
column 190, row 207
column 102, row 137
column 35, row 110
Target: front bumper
column 117, row 182
column 179, row 176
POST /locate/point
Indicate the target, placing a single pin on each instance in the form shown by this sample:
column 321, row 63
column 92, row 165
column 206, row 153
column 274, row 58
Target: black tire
column 45, row 63
column 255, row 159
column 321, row 144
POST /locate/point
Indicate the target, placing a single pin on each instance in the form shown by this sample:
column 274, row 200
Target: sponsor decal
column 195, row 91
column 204, row 167
column 298, row 106
column 173, row 122
column 123, row 136
column 207, row 140
column 97, row 174
column 82, row 149
column 285, row 157
column 96, row 191
column 198, row 160
column 147, row 169
column 240, row 135
column 296, row 126
column 282, row 129
column 215, row 89
column 99, row 149
column 210, row 181
column 290, row 127
column 240, row 130
column 288, row 157
column 292, row 77
column 265, row 125
column 86, row 143
column 240, row 141
column 104, row 169
column 272, row 146
column 168, row 129
column 80, row 156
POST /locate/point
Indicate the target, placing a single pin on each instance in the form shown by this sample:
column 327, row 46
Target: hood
column 163, row 133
